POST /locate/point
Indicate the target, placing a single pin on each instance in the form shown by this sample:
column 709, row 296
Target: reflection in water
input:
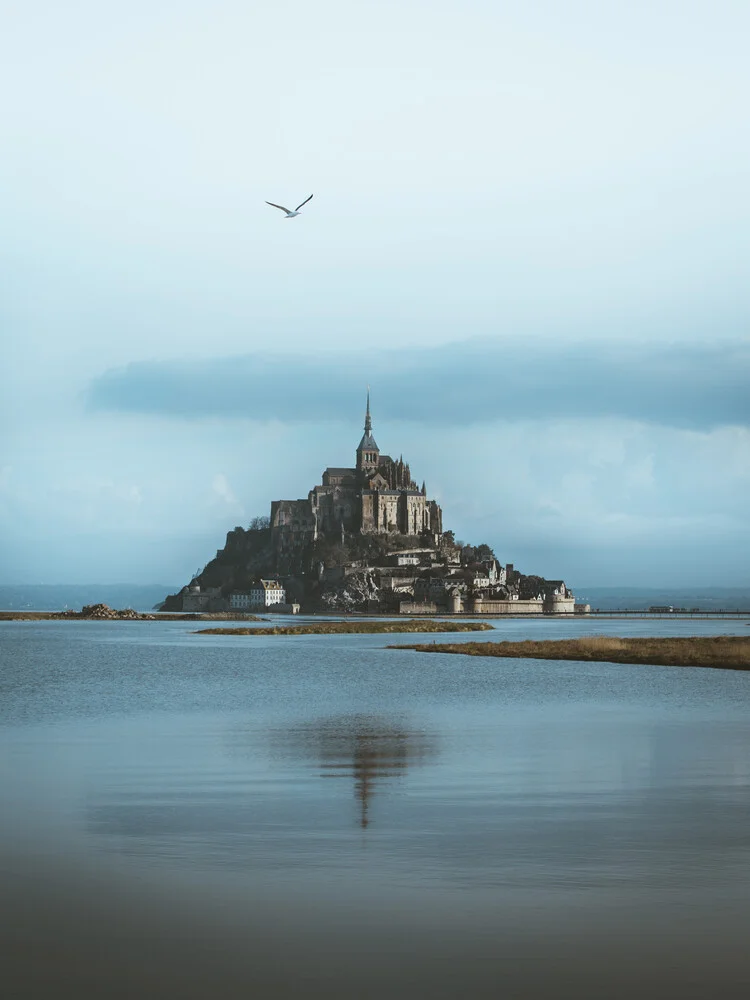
column 227, row 798
column 367, row 748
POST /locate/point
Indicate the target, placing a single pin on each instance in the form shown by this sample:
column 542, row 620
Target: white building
column 267, row 592
column 487, row 574
column 407, row 559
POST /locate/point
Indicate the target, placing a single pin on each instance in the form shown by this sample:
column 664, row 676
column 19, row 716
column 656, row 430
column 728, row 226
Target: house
column 240, row 600
column 264, row 593
column 407, row 559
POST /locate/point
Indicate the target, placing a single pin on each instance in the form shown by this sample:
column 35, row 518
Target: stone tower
column 368, row 453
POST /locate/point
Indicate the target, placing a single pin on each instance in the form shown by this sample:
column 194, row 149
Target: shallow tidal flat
column 349, row 627
column 728, row 652
column 187, row 816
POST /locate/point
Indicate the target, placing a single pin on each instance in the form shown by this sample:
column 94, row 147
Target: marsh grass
column 726, row 651
column 345, row 627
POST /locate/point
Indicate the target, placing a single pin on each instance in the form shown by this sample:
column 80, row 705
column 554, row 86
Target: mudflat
column 728, row 652
column 347, row 627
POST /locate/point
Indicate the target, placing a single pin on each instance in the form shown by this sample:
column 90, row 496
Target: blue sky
column 529, row 235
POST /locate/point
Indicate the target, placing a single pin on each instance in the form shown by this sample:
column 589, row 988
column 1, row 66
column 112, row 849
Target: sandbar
column 728, row 652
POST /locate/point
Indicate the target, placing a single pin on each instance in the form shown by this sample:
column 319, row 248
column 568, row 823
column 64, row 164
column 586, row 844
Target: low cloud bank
column 680, row 385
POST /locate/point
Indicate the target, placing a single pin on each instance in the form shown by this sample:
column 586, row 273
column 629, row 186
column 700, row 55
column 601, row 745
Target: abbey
column 367, row 538
column 378, row 496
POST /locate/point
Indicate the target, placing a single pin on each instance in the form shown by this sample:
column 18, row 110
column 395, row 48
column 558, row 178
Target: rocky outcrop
column 361, row 572
column 101, row 611
column 354, row 593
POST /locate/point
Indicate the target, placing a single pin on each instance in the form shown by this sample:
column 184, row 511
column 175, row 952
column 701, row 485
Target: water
column 58, row 597
column 197, row 815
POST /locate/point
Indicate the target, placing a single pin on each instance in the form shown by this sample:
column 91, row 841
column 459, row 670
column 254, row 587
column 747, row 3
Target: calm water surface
column 192, row 815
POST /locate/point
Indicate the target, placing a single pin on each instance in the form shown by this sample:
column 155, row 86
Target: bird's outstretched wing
column 274, row 205
column 302, row 203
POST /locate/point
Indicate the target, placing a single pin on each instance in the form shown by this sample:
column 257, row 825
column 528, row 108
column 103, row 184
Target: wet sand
column 76, row 933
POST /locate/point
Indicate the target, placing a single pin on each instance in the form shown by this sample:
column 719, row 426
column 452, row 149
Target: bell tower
column 368, row 453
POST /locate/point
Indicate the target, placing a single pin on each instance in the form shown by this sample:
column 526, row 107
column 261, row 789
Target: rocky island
column 365, row 539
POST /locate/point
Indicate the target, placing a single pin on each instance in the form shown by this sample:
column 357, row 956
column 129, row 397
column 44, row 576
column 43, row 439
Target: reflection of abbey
column 376, row 497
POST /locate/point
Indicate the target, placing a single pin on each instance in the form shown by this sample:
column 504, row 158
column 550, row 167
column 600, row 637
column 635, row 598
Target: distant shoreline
column 221, row 616
column 128, row 615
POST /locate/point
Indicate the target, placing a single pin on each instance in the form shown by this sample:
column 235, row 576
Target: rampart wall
column 418, row 608
column 532, row 607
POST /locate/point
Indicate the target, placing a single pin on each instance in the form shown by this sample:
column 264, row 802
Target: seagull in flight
column 289, row 213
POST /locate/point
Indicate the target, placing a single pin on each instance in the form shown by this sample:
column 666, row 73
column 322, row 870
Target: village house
column 261, row 594
column 266, row 593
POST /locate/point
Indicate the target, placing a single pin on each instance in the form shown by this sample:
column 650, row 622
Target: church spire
column 368, row 453
column 368, row 421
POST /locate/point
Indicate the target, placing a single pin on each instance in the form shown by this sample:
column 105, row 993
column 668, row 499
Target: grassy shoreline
column 353, row 628
column 728, row 652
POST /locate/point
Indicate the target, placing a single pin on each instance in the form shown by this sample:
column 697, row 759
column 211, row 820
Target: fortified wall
column 535, row 606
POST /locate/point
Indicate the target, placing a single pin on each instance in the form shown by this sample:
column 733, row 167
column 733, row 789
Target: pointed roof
column 368, row 441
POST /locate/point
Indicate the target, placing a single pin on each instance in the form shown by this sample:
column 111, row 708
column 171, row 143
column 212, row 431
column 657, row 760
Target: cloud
column 684, row 385
column 224, row 494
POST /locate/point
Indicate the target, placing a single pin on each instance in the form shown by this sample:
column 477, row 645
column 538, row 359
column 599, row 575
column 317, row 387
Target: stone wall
column 207, row 600
column 418, row 608
column 532, row 607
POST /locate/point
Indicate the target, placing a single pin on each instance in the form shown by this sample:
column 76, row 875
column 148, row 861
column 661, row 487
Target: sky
column 529, row 235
